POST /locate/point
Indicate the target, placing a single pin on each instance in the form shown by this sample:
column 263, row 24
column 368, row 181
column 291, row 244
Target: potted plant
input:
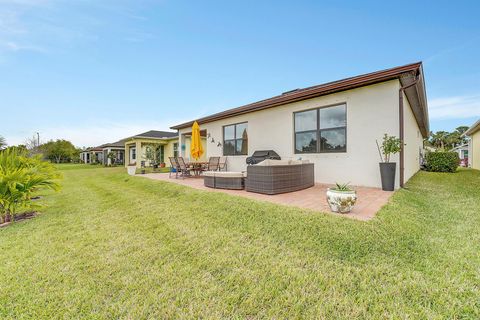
column 162, row 165
column 390, row 145
column 341, row 198
column 132, row 168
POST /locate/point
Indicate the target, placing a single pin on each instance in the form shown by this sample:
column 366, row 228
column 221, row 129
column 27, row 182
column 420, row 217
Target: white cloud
column 13, row 46
column 93, row 134
column 455, row 107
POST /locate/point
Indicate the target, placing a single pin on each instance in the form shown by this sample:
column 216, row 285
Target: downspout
column 402, row 129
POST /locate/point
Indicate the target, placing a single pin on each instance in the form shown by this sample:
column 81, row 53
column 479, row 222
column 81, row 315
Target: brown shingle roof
column 157, row 134
column 324, row 89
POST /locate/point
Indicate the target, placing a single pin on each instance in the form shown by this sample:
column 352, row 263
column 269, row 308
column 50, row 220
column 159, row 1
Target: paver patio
column 370, row 200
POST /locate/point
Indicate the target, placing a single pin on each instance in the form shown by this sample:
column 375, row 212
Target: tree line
column 57, row 151
column 445, row 140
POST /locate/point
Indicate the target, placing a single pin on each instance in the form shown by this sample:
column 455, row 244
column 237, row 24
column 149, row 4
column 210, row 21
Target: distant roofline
column 329, row 88
column 465, row 145
column 157, row 138
column 474, row 128
column 174, row 135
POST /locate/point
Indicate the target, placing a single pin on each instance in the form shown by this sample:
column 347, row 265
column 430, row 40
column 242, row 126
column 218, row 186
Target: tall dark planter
column 387, row 172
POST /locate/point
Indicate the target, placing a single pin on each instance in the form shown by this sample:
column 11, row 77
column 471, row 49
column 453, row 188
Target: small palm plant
column 20, row 178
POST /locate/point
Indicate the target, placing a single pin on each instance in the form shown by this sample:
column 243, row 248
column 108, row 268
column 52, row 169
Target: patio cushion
column 272, row 162
column 295, row 162
column 209, row 173
column 231, row 174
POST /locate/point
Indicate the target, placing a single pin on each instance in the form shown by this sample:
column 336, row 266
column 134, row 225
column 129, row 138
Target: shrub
column 442, row 161
column 20, row 177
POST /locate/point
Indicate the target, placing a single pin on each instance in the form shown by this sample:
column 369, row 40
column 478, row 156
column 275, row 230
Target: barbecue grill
column 259, row 156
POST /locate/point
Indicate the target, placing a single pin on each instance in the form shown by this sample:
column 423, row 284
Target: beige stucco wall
column 186, row 153
column 474, row 152
column 413, row 141
column 371, row 112
column 141, row 147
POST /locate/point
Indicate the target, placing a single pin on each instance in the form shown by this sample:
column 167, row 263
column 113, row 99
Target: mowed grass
column 114, row 246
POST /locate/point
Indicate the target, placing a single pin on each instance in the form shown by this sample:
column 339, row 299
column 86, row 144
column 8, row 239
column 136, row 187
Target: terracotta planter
column 131, row 170
column 341, row 201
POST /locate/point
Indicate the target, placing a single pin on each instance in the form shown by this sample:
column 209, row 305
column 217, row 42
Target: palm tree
column 20, row 177
column 439, row 139
column 3, row 143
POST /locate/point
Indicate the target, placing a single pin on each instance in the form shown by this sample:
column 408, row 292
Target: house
column 92, row 155
column 85, row 156
column 151, row 147
column 117, row 149
column 334, row 125
column 462, row 151
column 96, row 155
column 474, row 145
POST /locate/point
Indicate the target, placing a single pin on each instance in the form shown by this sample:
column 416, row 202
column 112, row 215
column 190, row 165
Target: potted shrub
column 390, row 145
column 162, row 165
column 341, row 198
column 132, row 168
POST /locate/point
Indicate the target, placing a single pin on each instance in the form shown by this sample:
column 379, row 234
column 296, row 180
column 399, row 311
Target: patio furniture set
column 186, row 169
column 266, row 173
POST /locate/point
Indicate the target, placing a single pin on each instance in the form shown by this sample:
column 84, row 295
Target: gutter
column 401, row 91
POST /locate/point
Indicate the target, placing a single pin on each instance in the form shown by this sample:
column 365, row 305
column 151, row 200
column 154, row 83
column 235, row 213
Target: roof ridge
column 310, row 92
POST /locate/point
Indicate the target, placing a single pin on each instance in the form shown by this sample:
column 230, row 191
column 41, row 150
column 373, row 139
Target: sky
column 98, row 71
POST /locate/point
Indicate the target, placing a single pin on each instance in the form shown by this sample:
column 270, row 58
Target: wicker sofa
column 224, row 180
column 279, row 176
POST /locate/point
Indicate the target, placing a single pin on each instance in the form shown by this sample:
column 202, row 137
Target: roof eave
column 311, row 92
column 474, row 128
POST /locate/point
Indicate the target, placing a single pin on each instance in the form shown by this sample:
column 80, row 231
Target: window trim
column 133, row 153
column 318, row 130
column 234, row 139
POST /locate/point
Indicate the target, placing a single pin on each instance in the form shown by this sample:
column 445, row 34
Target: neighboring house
column 96, row 155
column 118, row 149
column 162, row 144
column 85, row 156
column 334, row 125
column 462, row 154
column 90, row 155
column 474, row 145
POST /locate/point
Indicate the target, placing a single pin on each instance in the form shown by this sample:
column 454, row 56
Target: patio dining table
column 197, row 166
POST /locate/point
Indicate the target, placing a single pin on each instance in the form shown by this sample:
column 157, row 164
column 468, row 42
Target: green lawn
column 113, row 246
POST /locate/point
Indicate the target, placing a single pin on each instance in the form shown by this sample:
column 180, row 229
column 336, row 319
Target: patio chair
column 222, row 165
column 184, row 170
column 174, row 165
column 213, row 163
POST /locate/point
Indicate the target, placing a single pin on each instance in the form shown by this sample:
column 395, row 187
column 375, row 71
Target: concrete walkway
column 370, row 200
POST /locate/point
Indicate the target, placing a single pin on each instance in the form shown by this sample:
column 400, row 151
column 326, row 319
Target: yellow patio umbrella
column 196, row 149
